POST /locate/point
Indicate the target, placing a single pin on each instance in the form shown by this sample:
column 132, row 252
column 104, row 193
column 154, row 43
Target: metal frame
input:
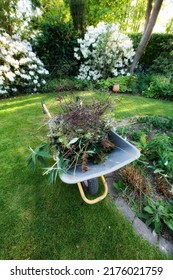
column 97, row 199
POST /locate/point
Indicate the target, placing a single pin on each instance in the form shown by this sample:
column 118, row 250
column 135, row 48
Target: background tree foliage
column 128, row 14
column 7, row 15
column 59, row 20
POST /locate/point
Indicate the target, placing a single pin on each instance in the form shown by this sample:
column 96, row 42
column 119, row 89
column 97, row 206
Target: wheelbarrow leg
column 93, row 201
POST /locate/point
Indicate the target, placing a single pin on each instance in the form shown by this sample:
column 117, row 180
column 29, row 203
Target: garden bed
column 147, row 184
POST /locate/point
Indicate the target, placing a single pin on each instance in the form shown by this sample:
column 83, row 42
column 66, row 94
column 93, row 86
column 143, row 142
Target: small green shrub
column 126, row 83
column 159, row 87
column 157, row 122
column 158, row 213
column 159, row 150
column 143, row 81
column 154, row 86
column 66, row 84
column 138, row 135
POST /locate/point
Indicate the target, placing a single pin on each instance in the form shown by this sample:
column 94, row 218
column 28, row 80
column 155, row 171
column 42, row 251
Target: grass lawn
column 39, row 221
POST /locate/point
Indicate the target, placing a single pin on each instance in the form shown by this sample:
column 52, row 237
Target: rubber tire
column 91, row 187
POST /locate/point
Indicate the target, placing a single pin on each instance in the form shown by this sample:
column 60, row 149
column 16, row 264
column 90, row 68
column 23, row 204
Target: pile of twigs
column 81, row 132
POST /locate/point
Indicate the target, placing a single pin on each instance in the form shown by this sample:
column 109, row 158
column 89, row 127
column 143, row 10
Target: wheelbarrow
column 123, row 154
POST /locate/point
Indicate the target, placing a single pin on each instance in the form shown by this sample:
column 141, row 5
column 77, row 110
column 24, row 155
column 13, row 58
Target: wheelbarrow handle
column 45, row 110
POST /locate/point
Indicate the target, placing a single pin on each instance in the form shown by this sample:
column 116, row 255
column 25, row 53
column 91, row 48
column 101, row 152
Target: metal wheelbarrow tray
column 123, row 154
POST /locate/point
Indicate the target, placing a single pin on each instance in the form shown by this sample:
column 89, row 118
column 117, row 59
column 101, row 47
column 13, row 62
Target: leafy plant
column 107, row 84
column 66, row 84
column 159, row 87
column 157, row 213
column 119, row 186
column 39, row 154
column 159, row 149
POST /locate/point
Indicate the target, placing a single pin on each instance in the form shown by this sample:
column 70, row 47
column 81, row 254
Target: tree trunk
column 147, row 34
column 148, row 12
column 77, row 10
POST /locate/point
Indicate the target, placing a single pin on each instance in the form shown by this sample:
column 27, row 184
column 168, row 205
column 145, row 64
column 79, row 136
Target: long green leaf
column 149, row 210
column 44, row 154
column 169, row 223
column 74, row 140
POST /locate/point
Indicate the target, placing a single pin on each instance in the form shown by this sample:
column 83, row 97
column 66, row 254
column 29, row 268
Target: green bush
column 159, row 86
column 157, row 214
column 55, row 46
column 126, row 83
column 158, row 45
column 66, row 84
column 153, row 86
column 163, row 65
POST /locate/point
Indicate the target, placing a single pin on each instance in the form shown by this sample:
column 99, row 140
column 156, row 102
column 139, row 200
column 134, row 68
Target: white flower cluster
column 104, row 52
column 20, row 68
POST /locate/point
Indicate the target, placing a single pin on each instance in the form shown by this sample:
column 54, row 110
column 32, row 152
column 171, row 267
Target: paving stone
column 165, row 245
column 125, row 209
column 144, row 231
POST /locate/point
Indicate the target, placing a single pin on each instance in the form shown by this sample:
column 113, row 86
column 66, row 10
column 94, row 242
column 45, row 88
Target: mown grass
column 39, row 221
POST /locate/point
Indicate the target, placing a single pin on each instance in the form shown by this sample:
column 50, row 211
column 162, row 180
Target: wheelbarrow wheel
column 91, row 186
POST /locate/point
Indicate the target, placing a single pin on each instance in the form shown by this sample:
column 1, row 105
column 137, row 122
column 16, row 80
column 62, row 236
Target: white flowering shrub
column 104, row 52
column 20, row 69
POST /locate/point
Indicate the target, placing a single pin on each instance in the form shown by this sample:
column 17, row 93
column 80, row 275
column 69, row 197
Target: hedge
column 158, row 43
column 55, row 46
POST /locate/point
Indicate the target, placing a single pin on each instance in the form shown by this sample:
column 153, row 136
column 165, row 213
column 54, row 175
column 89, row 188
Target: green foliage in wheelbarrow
column 78, row 135
column 39, row 154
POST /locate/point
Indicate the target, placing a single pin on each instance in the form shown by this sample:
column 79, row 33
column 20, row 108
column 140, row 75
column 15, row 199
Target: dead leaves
column 84, row 162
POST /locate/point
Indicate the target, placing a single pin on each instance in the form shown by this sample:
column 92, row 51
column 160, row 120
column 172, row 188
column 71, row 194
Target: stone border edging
column 139, row 226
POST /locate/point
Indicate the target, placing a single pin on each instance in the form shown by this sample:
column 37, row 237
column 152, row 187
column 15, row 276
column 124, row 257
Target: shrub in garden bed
column 103, row 52
column 127, row 84
column 155, row 86
column 148, row 186
column 148, row 85
column 20, row 70
column 66, row 84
